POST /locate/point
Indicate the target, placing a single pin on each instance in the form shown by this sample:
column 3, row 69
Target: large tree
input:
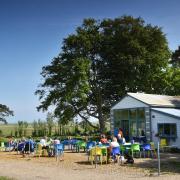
column 4, row 112
column 175, row 60
column 100, row 63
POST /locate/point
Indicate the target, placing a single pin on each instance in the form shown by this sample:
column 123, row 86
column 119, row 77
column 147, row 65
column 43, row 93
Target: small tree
column 35, row 128
column 25, row 125
column 50, row 122
column 20, row 128
column 42, row 128
column 1, row 133
column 16, row 132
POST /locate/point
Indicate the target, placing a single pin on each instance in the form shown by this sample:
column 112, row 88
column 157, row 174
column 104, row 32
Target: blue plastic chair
column 58, row 150
column 20, row 147
column 73, row 143
column 146, row 148
column 67, row 143
column 89, row 145
column 115, row 153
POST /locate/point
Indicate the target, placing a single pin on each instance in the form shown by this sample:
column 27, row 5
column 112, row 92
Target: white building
column 147, row 115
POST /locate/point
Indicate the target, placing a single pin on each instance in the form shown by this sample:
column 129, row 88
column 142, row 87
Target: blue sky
column 31, row 34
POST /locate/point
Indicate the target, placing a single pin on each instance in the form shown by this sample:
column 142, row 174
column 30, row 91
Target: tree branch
column 86, row 120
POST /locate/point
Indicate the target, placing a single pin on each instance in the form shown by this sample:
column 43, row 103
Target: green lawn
column 8, row 129
column 6, row 178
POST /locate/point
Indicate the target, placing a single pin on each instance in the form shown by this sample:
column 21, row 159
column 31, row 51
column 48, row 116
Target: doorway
column 125, row 127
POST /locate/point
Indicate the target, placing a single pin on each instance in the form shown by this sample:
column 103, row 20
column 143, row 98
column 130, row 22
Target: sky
column 32, row 31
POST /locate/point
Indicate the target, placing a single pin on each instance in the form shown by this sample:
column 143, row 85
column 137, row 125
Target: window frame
column 172, row 126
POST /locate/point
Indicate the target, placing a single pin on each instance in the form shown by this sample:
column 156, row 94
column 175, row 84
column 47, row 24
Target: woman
column 120, row 137
column 103, row 139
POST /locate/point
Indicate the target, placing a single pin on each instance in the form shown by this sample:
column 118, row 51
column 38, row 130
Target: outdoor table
column 127, row 146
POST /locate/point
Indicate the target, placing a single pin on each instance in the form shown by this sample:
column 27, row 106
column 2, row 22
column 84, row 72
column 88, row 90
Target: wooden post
column 95, row 158
column 158, row 159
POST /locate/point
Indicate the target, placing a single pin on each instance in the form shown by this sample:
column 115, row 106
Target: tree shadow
column 83, row 162
column 88, row 163
column 169, row 163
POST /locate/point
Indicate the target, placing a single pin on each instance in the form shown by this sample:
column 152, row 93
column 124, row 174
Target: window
column 124, row 114
column 167, row 130
column 141, row 122
column 133, row 123
column 117, row 118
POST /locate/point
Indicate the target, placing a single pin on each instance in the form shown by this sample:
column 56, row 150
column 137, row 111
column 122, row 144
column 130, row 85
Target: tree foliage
column 100, row 63
column 4, row 112
column 175, row 60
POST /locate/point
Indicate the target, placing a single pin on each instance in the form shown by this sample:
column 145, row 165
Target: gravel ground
column 75, row 166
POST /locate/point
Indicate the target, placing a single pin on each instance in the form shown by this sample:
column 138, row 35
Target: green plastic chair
column 122, row 149
column 80, row 145
column 134, row 149
column 104, row 154
column 2, row 147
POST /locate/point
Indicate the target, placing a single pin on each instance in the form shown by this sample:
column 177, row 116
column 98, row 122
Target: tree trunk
column 101, row 123
column 99, row 110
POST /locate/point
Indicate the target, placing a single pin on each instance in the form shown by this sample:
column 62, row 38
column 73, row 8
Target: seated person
column 123, row 140
column 103, row 139
column 114, row 143
column 114, row 149
column 56, row 140
column 43, row 143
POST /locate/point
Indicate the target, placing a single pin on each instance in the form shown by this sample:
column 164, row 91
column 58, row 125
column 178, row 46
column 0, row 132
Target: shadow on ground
column 169, row 163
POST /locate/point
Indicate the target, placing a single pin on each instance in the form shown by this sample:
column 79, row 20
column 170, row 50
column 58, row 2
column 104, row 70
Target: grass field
column 9, row 129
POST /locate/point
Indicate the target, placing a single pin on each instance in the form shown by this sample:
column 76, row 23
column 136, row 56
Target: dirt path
column 74, row 167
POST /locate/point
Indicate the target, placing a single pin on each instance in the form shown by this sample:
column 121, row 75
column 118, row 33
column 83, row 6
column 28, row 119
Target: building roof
column 170, row 111
column 157, row 100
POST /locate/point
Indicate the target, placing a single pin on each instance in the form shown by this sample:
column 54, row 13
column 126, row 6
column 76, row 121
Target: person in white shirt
column 56, row 141
column 123, row 140
column 43, row 142
column 114, row 143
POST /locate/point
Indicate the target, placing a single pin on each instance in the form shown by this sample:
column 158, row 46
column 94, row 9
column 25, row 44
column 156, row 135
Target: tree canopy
column 175, row 60
column 4, row 112
column 100, row 63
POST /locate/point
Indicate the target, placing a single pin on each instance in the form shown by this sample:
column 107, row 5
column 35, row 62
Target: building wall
column 148, row 124
column 129, row 102
column 157, row 117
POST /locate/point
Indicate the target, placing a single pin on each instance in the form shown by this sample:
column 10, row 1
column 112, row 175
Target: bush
column 3, row 139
